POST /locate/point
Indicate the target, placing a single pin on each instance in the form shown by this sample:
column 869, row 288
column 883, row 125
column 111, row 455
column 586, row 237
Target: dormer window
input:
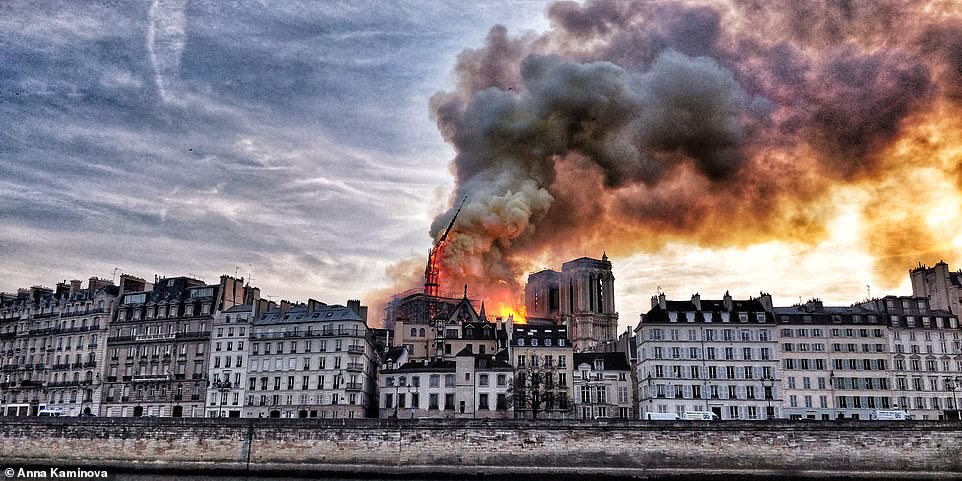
column 547, row 342
column 534, row 341
column 599, row 365
column 520, row 341
column 561, row 342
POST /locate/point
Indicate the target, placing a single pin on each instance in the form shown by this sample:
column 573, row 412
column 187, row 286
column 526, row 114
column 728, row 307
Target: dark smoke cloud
column 631, row 124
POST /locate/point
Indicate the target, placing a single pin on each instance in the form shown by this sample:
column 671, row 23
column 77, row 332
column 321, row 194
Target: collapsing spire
column 432, row 272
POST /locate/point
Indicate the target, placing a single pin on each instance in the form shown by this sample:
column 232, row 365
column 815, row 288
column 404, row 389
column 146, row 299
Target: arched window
column 422, row 332
column 414, row 332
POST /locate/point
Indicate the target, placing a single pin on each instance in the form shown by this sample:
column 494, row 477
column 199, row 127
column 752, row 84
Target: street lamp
column 414, row 393
column 954, row 385
column 397, row 386
column 769, row 385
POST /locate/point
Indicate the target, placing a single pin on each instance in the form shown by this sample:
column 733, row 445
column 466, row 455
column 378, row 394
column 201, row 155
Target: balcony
column 90, row 364
column 197, row 375
column 355, row 367
column 193, row 335
column 151, row 378
column 353, row 386
column 355, row 349
column 31, row 383
column 77, row 365
column 154, row 337
column 111, row 378
column 222, row 385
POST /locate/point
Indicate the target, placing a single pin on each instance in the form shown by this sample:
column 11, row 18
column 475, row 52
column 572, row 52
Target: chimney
column 285, row 306
column 355, row 306
column 62, row 289
column 662, row 303
column 75, row 285
column 95, row 283
column 727, row 301
column 766, row 300
column 696, row 300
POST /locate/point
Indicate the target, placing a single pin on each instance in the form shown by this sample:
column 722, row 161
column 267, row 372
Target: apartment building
column 227, row 373
column 52, row 345
column 925, row 364
column 543, row 357
column 470, row 385
column 835, row 361
column 159, row 347
column 709, row 355
column 602, row 385
column 311, row 360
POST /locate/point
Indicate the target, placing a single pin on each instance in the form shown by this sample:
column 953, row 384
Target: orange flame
column 520, row 313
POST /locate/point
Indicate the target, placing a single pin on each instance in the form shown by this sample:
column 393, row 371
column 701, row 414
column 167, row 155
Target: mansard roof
column 300, row 314
column 710, row 312
column 540, row 332
column 613, row 361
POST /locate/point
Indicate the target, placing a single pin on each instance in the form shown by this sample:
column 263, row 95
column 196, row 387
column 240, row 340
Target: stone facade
column 227, row 372
column 311, row 360
column 52, row 347
column 709, row 355
column 159, row 347
column 468, row 386
column 458, row 448
column 542, row 357
column 581, row 297
column 941, row 286
column 602, row 386
column 925, row 367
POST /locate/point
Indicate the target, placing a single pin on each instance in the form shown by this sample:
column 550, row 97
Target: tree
column 535, row 390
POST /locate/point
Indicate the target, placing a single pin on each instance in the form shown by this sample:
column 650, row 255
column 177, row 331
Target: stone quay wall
column 475, row 447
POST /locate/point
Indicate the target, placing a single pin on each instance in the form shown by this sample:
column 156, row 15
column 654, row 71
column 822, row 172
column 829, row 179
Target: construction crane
column 432, row 271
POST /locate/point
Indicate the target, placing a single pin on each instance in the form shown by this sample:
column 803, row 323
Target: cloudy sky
column 297, row 143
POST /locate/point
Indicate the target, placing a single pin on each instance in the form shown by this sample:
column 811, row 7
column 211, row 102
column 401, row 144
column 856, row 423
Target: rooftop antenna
column 236, row 268
column 868, row 291
column 114, row 276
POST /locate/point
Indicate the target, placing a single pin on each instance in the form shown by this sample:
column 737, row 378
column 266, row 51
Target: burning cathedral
column 580, row 297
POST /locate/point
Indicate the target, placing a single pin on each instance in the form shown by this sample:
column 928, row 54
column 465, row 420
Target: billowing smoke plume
column 632, row 124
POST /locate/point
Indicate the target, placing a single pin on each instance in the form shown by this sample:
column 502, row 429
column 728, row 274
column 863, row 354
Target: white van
column 55, row 412
column 891, row 415
column 660, row 417
column 700, row 416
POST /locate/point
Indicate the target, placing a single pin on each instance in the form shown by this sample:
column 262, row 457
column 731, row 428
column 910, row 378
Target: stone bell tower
column 587, row 295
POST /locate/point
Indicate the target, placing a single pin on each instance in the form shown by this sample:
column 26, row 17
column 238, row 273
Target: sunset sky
column 318, row 146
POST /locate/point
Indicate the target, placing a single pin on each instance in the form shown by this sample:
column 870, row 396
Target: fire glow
column 520, row 313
